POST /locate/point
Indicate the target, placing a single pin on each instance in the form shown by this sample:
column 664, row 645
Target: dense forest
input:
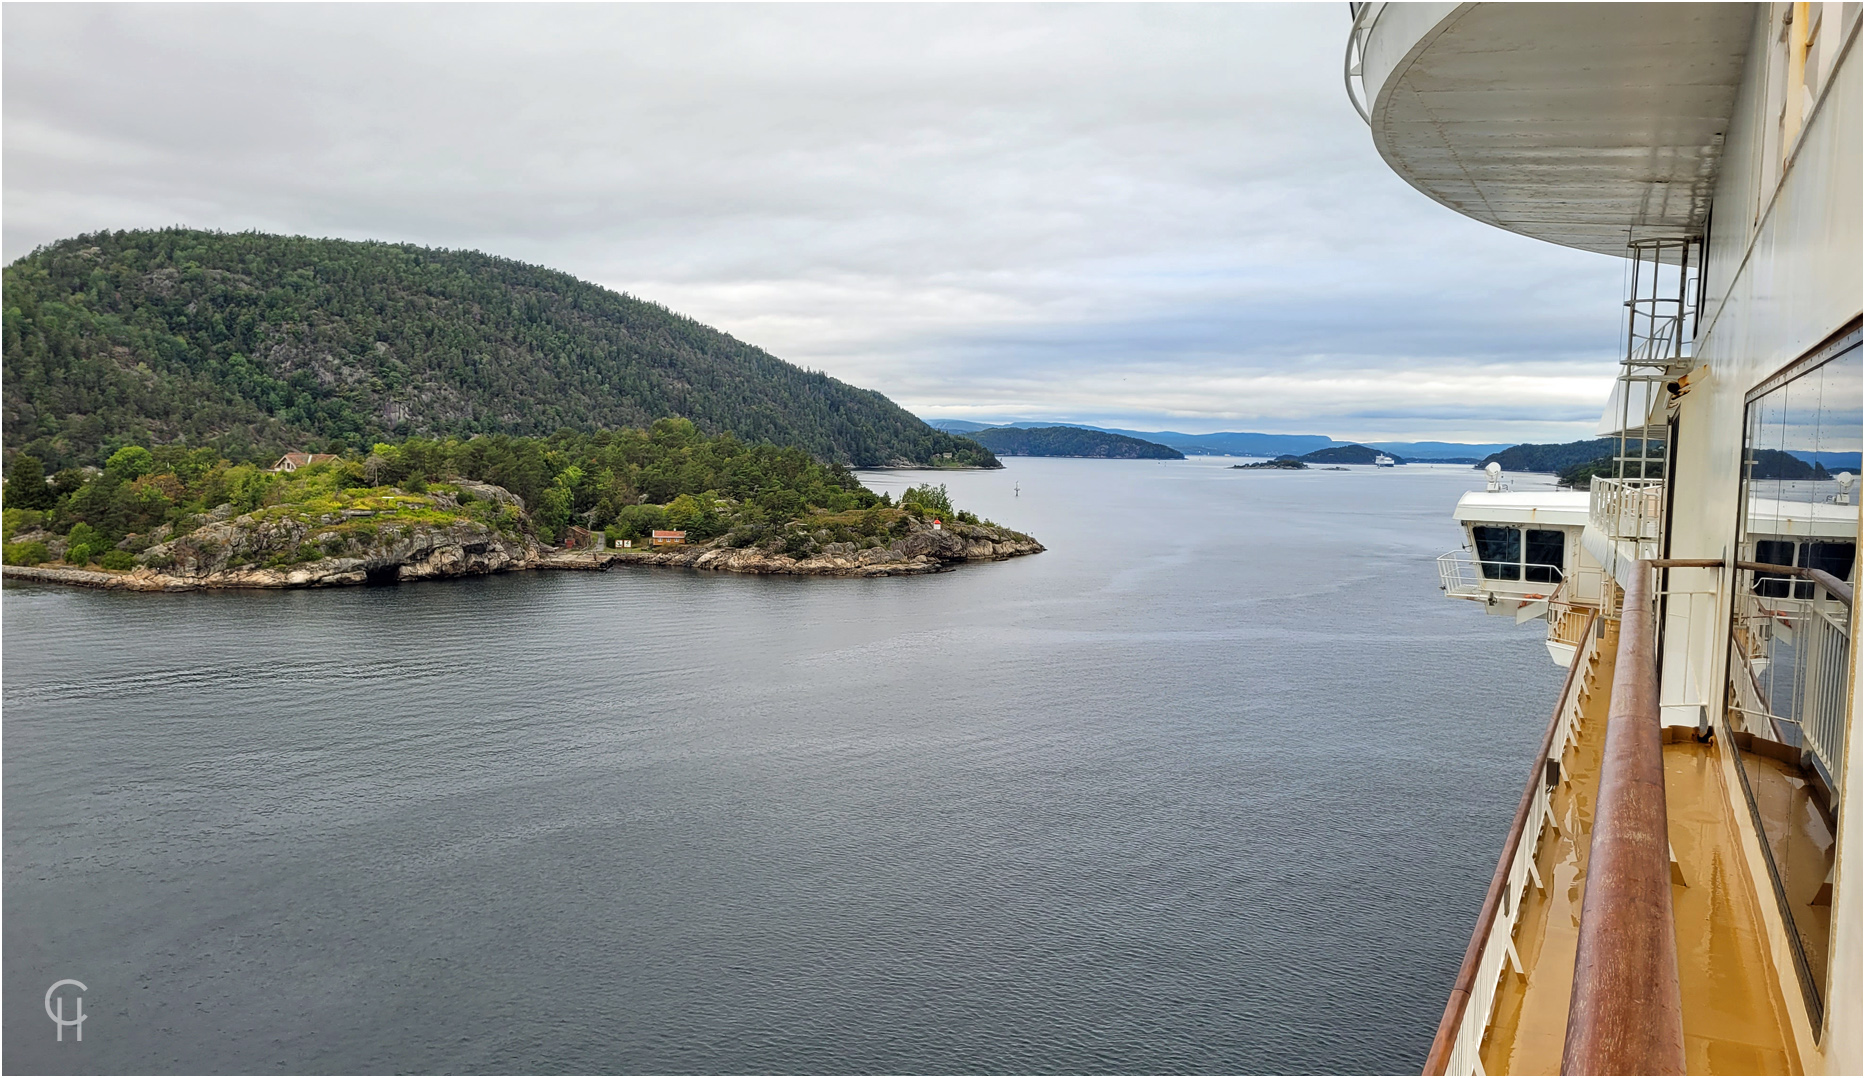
column 626, row 482
column 254, row 344
column 1070, row 442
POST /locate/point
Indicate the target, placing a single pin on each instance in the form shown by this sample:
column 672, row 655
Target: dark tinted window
column 1835, row 558
column 1773, row 552
column 1547, row 553
column 1498, row 551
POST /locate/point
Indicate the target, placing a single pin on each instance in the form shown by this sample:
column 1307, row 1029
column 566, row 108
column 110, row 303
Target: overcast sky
column 1147, row 216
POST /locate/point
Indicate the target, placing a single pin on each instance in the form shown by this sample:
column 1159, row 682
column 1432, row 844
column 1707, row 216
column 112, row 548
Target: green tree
column 83, row 543
column 932, row 500
column 25, row 553
column 25, row 485
column 130, row 462
column 552, row 512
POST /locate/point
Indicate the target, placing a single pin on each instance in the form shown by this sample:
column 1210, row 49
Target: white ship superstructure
column 1682, row 886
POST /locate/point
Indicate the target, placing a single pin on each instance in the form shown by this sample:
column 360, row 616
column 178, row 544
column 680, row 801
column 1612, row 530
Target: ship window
column 1785, row 705
column 1834, row 558
column 1498, row 551
column 1547, row 553
column 1773, row 552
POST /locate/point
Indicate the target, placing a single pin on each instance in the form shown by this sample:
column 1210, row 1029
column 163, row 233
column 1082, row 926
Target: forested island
column 1070, row 442
column 1348, row 454
column 253, row 345
column 170, row 517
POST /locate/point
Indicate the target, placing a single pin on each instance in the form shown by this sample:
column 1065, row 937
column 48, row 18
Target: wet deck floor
column 1734, row 1022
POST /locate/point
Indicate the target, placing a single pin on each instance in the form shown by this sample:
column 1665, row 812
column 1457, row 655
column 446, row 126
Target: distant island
column 1336, row 454
column 1070, row 442
column 254, row 345
column 1348, row 454
column 172, row 518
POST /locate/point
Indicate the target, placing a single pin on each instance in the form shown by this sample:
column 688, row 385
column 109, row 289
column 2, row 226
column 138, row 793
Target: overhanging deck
column 1583, row 130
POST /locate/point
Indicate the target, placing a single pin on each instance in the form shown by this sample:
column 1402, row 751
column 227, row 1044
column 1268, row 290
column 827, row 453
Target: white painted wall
column 1784, row 274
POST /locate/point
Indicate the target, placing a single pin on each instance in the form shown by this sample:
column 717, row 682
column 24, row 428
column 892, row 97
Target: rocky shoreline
column 465, row 549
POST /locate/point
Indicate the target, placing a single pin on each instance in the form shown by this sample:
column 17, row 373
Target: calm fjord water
column 1213, row 785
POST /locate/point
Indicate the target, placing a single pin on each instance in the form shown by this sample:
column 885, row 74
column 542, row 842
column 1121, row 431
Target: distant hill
column 1348, row 454
column 1232, row 443
column 1555, row 458
column 1440, row 452
column 1226, row 444
column 1070, row 442
column 254, row 344
column 1249, row 444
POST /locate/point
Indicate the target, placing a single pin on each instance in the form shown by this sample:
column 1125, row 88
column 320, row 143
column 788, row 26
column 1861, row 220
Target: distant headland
column 1070, row 442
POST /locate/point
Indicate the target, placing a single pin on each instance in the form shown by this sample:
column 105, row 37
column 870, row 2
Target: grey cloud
column 957, row 205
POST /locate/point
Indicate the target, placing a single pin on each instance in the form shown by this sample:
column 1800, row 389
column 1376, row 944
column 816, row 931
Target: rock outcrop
column 232, row 554
column 924, row 549
column 429, row 536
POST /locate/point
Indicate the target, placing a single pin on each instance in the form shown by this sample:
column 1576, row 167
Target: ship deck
column 1734, row 1018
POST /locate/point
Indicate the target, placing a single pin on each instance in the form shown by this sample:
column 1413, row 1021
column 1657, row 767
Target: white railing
column 1627, row 508
column 1792, row 660
column 1461, row 576
column 1364, row 16
column 1755, row 633
column 1498, row 952
column 1825, row 650
column 1751, row 712
column 1568, row 625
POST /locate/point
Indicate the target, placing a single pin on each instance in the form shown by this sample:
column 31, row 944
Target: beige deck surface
column 1734, row 1021
column 1530, row 1025
column 1733, row 1017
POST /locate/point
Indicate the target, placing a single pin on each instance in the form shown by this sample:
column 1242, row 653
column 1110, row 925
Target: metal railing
column 1826, row 645
column 1792, row 663
column 1570, row 625
column 1457, row 1048
column 1629, row 509
column 1626, row 1012
column 1461, row 576
column 1364, row 18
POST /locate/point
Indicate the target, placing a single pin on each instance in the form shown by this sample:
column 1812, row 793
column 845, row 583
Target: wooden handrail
column 1834, row 586
column 1448, row 1026
column 1625, row 1015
